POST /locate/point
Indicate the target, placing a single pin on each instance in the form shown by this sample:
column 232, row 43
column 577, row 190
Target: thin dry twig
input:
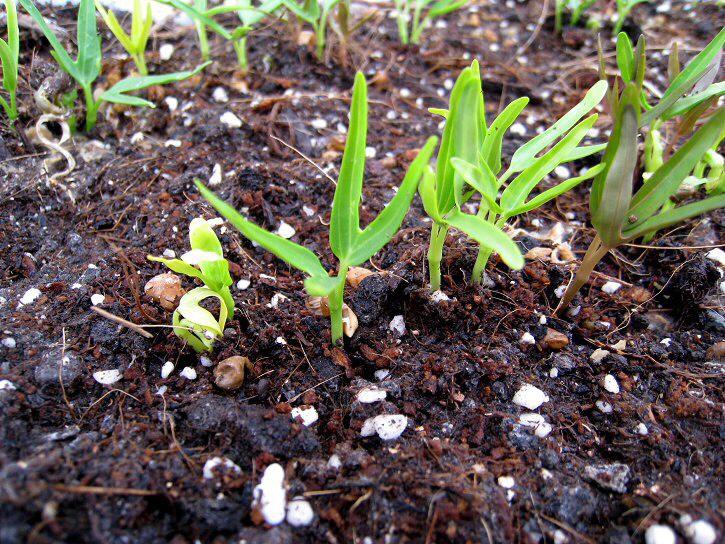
column 121, row 321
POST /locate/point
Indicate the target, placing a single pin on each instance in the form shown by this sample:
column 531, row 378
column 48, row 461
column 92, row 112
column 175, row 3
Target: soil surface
column 121, row 463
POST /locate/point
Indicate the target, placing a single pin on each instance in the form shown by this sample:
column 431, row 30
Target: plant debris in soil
column 475, row 417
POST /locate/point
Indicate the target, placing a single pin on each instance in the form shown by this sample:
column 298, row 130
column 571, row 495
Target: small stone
column 171, row 102
column 611, row 287
column 439, row 296
column 229, row 373
column 243, row 284
column 165, row 51
column 188, row 373
column 370, row 152
column 387, row 427
column 642, row 429
column 219, row 466
column 7, row 385
column 166, row 369
column 205, row 361
column 220, row 95
column 30, row 296
column 397, row 325
column 270, row 496
column 172, row 143
column 542, row 429
column 216, row 175
column 538, row 254
column 530, row 397
column 614, row 476
column 716, row 352
column 555, row 340
column 9, row 342
column 527, row 339
column 610, row 384
column 334, row 461
column 381, row 374
column 97, row 299
column 319, row 124
column 285, row 231
column 369, row 395
column 717, row 255
column 700, row 532
column 276, row 299
column 299, row 512
column 659, row 534
column 230, row 120
column 604, row 407
column 107, row 377
column 598, row 355
column 306, row 414
column 507, row 482
column 165, row 289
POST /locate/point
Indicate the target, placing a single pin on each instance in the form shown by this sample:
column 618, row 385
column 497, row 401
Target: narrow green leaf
column 203, row 237
column 89, row 43
column 293, row 254
column 686, row 103
column 380, row 231
column 675, row 216
column 481, row 179
column 199, row 17
column 584, row 151
column 10, row 72
column 526, row 153
column 115, row 27
column 178, row 266
column 345, row 217
column 117, row 93
column 625, row 57
column 191, row 310
column 322, row 286
column 491, row 150
column 427, row 191
column 488, row 235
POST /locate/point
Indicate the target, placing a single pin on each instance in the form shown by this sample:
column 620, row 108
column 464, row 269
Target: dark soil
column 83, row 462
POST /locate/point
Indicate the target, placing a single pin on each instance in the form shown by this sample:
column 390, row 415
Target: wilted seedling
column 9, row 54
column 87, row 66
column 349, row 243
column 414, row 16
column 620, row 216
column 134, row 42
column 193, row 323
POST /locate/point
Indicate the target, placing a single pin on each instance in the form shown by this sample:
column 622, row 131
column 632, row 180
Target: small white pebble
column 611, row 287
column 518, row 129
column 97, row 299
column 30, row 296
column 276, row 299
column 554, row 372
column 306, row 414
column 598, row 355
column 161, row 391
column 165, row 51
column 642, row 429
column 9, row 342
column 172, row 143
column 369, row 395
column 610, row 384
column 604, row 406
column 530, row 397
column 542, row 429
column 243, row 284
column 166, row 369
column 319, row 124
column 285, row 231
column 169, row 254
column 299, row 512
column 559, row 291
column 381, row 374
column 216, row 175
column 107, row 377
column 542, row 320
column 562, row 172
column 717, row 255
column 439, row 296
column 281, row 341
column 171, row 102
column 370, row 152
column 270, row 496
column 309, row 212
column 387, row 426
column 527, row 339
column 206, row 362
column 397, row 325
column 659, row 534
column 334, row 461
column 507, row 482
column 227, row 465
column 188, row 373
column 7, row 385
column 230, row 120
column 220, row 95
column 701, row 532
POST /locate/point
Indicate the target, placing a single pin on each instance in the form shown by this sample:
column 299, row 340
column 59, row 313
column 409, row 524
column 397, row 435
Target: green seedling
column 251, row 16
column 621, row 215
column 691, row 93
column 414, row 16
column 470, row 161
column 624, row 8
column 193, row 323
column 9, row 54
column 577, row 8
column 349, row 243
column 135, row 42
column 311, row 12
column 87, row 66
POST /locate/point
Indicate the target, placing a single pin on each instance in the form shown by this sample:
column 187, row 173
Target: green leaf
column 616, row 178
column 488, row 235
column 10, row 71
column 386, row 224
column 293, row 254
column 481, row 179
column 686, row 79
column 625, row 57
column 524, row 155
column 668, row 177
column 345, row 217
column 427, row 191
column 686, row 103
column 251, row 17
column 115, row 27
column 199, row 17
column 190, row 309
column 117, row 93
column 308, row 11
column 492, row 145
column 322, row 286
column 583, row 152
column 520, row 188
column 202, row 237
column 445, row 6
column 675, row 216
column 544, row 197
column 178, row 266
column 89, row 44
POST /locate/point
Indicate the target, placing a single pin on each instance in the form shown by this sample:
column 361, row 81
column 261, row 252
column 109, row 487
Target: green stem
column 228, row 301
column 203, row 41
column 240, row 46
column 403, row 15
column 334, row 302
column 140, row 63
column 91, row 108
column 596, row 252
column 438, row 235
column 479, row 268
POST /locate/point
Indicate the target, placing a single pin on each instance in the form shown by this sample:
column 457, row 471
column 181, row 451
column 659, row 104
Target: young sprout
column 691, row 94
column 349, row 243
column 410, row 28
column 624, row 7
column 87, row 66
column 620, row 216
column 135, row 42
column 193, row 323
column 9, row 54
column 251, row 16
column 577, row 9
column 310, row 12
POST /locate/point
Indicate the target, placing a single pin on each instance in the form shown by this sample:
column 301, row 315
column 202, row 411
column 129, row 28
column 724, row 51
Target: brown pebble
column 229, row 373
column 555, row 340
column 717, row 351
column 165, row 289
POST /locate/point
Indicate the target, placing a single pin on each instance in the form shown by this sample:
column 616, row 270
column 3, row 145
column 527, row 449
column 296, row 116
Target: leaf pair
column 134, row 42
column 9, row 54
column 350, row 244
column 414, row 16
column 204, row 262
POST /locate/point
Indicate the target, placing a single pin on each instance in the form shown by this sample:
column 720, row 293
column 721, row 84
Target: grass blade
column 674, row 216
column 488, row 235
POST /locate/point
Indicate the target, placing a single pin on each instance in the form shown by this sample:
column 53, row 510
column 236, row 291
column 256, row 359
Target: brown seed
column 165, row 289
column 562, row 254
column 555, row 340
column 356, row 274
column 318, row 306
column 349, row 321
column 229, row 373
column 538, row 253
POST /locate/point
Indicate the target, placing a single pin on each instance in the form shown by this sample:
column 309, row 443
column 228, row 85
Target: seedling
column 87, row 66
column 349, row 243
column 575, row 7
column 193, row 323
column 9, row 54
column 310, row 12
column 471, row 155
column 624, row 7
column 135, row 42
column 620, row 216
column 691, row 94
column 411, row 27
column 251, row 16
